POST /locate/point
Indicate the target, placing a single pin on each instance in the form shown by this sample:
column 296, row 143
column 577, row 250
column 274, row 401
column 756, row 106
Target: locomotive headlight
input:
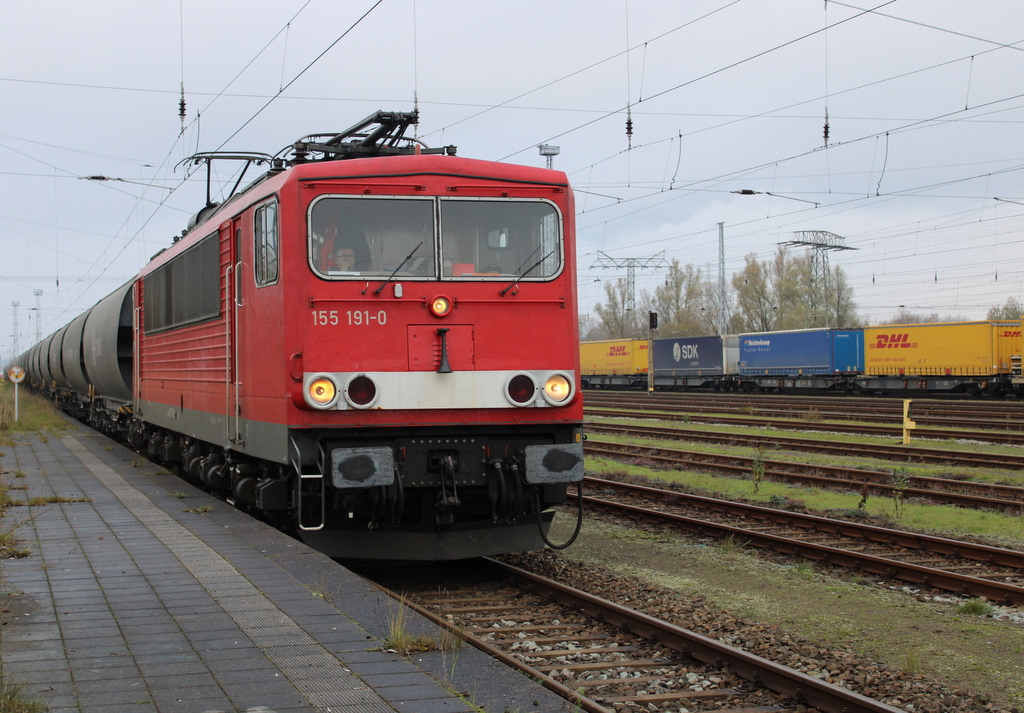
column 521, row 390
column 557, row 389
column 321, row 392
column 440, row 306
column 361, row 392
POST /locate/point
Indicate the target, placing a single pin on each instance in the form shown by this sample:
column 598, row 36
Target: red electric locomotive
column 374, row 342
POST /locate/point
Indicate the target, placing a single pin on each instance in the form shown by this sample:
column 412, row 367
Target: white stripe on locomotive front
column 430, row 390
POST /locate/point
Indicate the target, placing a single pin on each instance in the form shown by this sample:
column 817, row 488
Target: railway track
column 1001, row 437
column 1007, row 498
column 901, row 453
column 603, row 656
column 841, row 409
column 1007, row 416
column 950, row 565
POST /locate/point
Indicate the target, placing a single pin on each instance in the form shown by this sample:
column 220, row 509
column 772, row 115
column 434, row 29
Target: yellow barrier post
column 653, row 324
column 908, row 424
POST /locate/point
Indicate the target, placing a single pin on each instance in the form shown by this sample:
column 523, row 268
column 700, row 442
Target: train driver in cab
column 339, row 251
column 345, row 259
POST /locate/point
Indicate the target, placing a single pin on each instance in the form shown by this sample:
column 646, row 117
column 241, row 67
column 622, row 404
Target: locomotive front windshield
column 351, row 237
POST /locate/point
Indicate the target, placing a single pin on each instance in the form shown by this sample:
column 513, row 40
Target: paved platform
column 145, row 594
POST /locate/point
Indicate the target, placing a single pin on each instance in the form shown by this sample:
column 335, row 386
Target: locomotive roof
column 383, row 150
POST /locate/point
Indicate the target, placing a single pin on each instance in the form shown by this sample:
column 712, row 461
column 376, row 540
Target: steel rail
column 800, row 425
column 780, row 679
column 897, row 451
column 844, row 412
column 937, row 407
column 1005, row 497
column 929, row 576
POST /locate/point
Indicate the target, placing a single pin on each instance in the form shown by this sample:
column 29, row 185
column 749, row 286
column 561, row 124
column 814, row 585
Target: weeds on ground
column 730, row 545
column 811, row 415
column 51, row 499
column 975, row 607
column 863, row 504
column 400, row 639
column 900, row 483
column 35, row 415
column 10, row 548
column 9, row 545
column 912, row 660
column 757, row 470
column 319, row 588
column 403, row 641
column 13, row 699
column 805, row 570
column 201, row 510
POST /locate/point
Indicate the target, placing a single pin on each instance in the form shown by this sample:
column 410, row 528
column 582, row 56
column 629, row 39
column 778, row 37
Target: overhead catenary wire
column 674, row 145
column 149, row 218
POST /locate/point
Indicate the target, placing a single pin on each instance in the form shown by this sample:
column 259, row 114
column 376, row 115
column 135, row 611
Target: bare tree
column 840, row 308
column 678, row 302
column 783, row 294
column 590, row 327
column 1011, row 309
column 905, row 316
column 616, row 320
column 755, row 309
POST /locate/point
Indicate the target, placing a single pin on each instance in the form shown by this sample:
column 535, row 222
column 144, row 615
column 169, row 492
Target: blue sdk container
column 688, row 356
column 802, row 352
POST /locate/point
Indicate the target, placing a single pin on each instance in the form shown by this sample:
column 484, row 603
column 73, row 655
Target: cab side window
column 267, row 244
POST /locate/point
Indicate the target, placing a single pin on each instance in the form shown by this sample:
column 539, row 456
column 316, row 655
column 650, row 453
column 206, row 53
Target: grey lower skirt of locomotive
column 437, row 493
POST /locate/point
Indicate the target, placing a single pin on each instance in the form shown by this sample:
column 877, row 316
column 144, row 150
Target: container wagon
column 696, row 363
column 959, row 357
column 797, row 360
column 614, row 363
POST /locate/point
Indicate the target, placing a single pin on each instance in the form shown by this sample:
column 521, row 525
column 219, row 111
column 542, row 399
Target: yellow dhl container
column 942, row 349
column 614, row 356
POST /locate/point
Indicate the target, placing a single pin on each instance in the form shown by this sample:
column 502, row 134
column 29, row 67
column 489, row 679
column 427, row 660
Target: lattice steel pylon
column 820, row 242
column 631, row 264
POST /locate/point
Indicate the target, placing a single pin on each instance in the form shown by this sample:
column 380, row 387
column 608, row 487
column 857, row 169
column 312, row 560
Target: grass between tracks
column 951, row 521
column 950, row 472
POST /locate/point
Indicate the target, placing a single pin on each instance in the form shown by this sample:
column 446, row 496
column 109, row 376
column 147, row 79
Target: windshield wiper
column 527, row 272
column 395, row 272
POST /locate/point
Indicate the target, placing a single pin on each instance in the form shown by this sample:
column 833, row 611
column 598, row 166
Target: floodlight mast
column 549, row 152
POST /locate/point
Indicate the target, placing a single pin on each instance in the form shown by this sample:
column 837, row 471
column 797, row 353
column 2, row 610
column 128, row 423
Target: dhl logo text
column 1011, row 333
column 617, row 351
column 893, row 341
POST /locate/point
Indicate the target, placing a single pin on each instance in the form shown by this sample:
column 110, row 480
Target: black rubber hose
column 579, row 518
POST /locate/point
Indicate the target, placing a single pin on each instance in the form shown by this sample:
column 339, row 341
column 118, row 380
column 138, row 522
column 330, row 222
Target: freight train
column 964, row 358
column 332, row 348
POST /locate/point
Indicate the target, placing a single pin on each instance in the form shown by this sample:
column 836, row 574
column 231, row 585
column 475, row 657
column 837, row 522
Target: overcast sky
column 924, row 99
